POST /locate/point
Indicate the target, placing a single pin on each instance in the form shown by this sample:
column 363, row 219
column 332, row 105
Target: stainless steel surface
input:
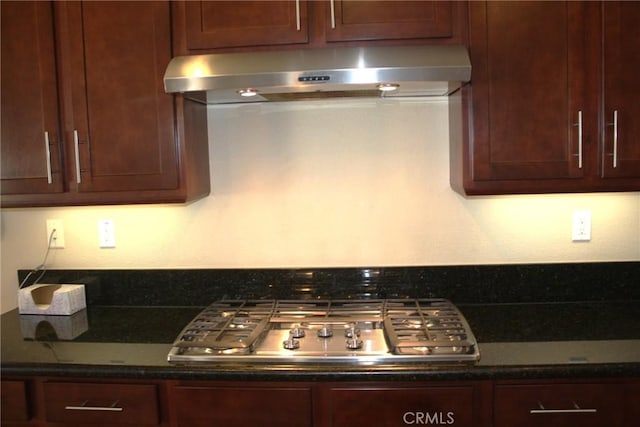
column 324, row 73
column 76, row 148
column 47, row 151
column 327, row 331
column 579, row 126
column 615, row 139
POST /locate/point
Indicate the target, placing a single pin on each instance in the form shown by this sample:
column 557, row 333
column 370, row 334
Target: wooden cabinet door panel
column 106, row 404
column 116, row 104
column 584, row 405
column 621, row 90
column 14, row 405
column 390, row 407
column 529, row 86
column 29, row 100
column 241, row 406
column 348, row 20
column 218, row 24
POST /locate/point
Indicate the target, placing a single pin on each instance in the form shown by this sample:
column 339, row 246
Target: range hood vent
column 406, row 71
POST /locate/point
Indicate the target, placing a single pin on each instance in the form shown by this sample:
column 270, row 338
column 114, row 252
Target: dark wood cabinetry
column 118, row 138
column 538, row 112
column 43, row 401
column 386, row 405
column 110, row 404
column 347, row 20
column 241, row 405
column 14, row 406
column 203, row 26
column 559, row 405
column 31, row 141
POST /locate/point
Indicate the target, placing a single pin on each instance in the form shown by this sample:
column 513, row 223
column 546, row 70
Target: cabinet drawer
column 552, row 405
column 241, row 406
column 110, row 404
column 391, row 407
column 14, row 401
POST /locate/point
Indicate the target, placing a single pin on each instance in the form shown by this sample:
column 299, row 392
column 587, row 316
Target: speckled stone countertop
column 543, row 322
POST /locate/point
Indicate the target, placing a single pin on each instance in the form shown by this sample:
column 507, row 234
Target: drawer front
column 552, row 405
column 390, row 407
column 14, row 401
column 241, row 406
column 110, row 404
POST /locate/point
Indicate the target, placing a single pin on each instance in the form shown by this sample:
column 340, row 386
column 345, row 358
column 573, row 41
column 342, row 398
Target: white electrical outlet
column 106, row 233
column 57, row 240
column 581, row 226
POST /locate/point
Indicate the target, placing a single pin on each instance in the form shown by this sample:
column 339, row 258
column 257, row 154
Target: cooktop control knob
column 352, row 332
column 354, row 343
column 297, row 332
column 325, row 332
column 291, row 343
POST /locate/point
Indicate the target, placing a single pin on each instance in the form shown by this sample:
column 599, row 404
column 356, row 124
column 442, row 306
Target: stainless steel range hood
column 406, row 71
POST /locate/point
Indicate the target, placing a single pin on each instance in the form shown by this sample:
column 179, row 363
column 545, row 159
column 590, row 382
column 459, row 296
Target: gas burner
column 292, row 331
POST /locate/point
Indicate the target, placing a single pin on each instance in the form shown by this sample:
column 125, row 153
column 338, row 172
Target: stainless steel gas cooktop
column 327, row 331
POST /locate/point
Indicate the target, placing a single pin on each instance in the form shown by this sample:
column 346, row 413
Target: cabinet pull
column 47, row 150
column 297, row 15
column 76, row 147
column 333, row 14
column 579, row 125
column 615, row 138
column 575, row 410
column 84, row 407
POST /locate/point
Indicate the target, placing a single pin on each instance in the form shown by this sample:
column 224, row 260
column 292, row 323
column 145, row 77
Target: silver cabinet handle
column 579, row 125
column 76, row 144
column 333, row 14
column 84, row 407
column 47, row 151
column 575, row 410
column 615, row 138
column 297, row 15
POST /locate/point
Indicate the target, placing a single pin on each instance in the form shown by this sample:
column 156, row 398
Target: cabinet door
column 119, row 122
column 347, row 20
column 193, row 406
column 621, row 133
column 103, row 404
column 584, row 405
column 530, row 94
column 31, row 161
column 14, row 405
column 218, row 24
column 389, row 407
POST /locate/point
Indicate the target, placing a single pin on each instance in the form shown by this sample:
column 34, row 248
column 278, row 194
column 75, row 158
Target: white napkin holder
column 51, row 299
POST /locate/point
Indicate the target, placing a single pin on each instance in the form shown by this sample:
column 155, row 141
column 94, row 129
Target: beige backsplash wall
column 355, row 183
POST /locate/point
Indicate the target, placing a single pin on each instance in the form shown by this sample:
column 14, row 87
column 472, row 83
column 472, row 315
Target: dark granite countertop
column 531, row 321
column 582, row 339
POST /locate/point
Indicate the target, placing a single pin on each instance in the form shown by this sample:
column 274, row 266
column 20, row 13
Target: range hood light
column 388, row 87
column 248, row 92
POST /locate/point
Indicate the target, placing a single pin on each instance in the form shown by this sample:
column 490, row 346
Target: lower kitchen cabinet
column 111, row 404
column 549, row 405
column 401, row 406
column 239, row 406
column 14, row 407
column 61, row 401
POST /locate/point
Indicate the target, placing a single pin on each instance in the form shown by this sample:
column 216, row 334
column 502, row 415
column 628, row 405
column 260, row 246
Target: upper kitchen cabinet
column 31, row 150
column 218, row 24
column 202, row 26
column 621, row 125
column 388, row 20
column 536, row 109
column 118, row 137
